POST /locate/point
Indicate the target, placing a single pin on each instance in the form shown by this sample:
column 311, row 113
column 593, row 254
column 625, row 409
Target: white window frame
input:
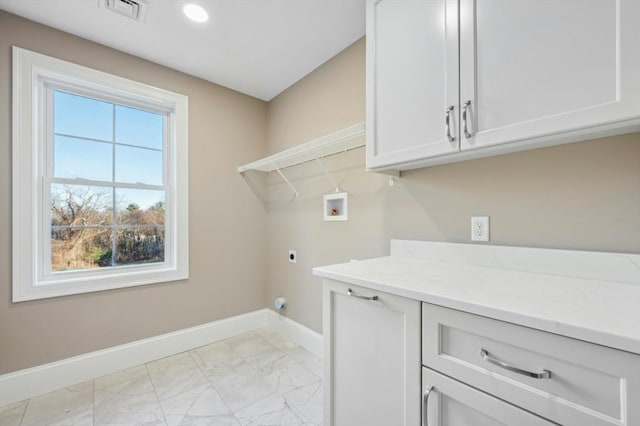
column 35, row 76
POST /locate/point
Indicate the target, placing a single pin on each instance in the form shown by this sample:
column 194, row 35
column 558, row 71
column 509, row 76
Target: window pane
column 80, row 158
column 80, row 248
column 140, row 245
column 138, row 165
column 137, row 127
column 80, row 116
column 140, row 207
column 80, row 205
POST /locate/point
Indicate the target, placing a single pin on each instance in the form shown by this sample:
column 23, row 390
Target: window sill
column 71, row 285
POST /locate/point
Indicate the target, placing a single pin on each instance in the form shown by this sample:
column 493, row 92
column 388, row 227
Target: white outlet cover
column 480, row 228
column 293, row 257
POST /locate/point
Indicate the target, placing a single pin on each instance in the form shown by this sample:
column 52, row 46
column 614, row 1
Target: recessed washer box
column 335, row 207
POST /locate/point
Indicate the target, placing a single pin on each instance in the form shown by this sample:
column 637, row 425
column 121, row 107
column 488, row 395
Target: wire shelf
column 341, row 141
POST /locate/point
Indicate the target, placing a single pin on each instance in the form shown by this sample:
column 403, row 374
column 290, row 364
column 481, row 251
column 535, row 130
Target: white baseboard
column 30, row 382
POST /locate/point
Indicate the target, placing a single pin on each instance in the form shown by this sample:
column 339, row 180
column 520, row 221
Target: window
column 100, row 180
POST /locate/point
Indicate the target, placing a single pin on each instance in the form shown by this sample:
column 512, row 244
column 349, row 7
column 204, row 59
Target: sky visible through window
column 85, row 145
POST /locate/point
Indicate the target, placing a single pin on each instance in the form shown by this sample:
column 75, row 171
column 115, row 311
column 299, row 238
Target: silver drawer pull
column 425, row 405
column 546, row 374
column 447, row 125
column 464, row 119
column 351, row 293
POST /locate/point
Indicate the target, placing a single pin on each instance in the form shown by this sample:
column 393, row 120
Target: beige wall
column 577, row 196
column 226, row 221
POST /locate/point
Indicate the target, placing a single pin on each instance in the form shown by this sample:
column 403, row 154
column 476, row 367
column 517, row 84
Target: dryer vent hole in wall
column 280, row 303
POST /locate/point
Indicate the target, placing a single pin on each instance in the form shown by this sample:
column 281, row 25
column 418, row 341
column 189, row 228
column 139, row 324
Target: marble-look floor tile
column 11, row 415
column 241, row 386
column 251, row 347
column 199, row 402
column 270, row 411
column 270, row 361
column 224, row 420
column 68, row 406
column 183, row 390
column 307, row 359
column 276, row 339
column 175, row 374
column 291, row 377
column 307, row 401
column 216, row 358
column 235, row 340
column 135, row 379
column 127, row 398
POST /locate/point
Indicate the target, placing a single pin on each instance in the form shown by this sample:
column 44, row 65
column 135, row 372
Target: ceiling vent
column 134, row 9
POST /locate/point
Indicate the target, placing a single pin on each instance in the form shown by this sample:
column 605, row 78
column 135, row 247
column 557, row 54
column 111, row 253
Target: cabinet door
column 371, row 357
column 447, row 402
column 548, row 69
column 412, row 80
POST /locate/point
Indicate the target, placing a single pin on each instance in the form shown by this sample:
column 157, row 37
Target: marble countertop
column 595, row 310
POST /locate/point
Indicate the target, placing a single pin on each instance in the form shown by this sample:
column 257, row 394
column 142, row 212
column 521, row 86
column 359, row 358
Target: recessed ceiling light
column 195, row 12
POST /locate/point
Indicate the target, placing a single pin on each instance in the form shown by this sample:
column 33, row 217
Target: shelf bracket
column 255, row 189
column 326, row 172
column 284, row 178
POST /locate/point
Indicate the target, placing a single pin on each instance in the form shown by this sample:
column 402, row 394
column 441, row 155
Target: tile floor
column 256, row 378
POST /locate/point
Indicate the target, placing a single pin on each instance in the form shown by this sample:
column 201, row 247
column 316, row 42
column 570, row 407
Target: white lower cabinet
column 394, row 361
column 371, row 358
column 568, row 381
column 449, row 402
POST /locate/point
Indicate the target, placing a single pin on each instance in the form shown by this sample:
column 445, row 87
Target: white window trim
column 31, row 73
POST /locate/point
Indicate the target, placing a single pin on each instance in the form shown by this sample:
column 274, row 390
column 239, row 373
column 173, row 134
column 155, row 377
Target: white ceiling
column 257, row 47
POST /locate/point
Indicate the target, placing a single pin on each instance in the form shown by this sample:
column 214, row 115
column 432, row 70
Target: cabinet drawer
column 588, row 384
column 447, row 402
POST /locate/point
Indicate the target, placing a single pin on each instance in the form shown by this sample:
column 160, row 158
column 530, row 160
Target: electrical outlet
column 480, row 228
column 293, row 257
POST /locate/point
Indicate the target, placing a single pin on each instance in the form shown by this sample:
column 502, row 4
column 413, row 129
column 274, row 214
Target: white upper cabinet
column 518, row 74
column 412, row 80
column 531, row 68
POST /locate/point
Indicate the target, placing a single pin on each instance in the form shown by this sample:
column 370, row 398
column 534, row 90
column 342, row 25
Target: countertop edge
column 599, row 337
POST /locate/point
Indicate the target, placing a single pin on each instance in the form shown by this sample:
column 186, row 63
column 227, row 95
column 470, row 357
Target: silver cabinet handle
column 446, row 122
column 351, row 293
column 425, row 405
column 464, row 119
column 546, row 374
